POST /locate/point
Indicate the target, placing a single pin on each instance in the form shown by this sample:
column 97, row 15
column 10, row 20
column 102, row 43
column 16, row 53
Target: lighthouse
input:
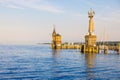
column 90, row 37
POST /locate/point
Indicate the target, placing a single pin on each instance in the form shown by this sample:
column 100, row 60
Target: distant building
column 56, row 40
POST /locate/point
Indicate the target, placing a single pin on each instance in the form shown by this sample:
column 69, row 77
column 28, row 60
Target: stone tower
column 90, row 37
column 56, row 40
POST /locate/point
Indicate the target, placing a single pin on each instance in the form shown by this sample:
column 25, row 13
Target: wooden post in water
column 119, row 48
column 106, row 49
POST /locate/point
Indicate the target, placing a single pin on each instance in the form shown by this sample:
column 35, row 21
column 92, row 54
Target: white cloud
column 42, row 5
column 14, row 6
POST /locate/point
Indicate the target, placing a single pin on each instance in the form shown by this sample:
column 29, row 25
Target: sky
column 31, row 21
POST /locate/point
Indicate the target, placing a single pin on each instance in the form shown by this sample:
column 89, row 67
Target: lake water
column 39, row 62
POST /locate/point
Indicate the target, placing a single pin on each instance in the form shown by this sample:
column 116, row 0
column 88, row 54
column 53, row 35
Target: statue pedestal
column 90, row 40
column 90, row 44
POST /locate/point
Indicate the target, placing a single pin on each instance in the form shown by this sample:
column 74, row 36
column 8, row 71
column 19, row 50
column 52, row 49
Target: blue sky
column 31, row 21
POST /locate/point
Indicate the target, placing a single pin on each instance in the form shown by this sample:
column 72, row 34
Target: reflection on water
column 90, row 59
column 56, row 53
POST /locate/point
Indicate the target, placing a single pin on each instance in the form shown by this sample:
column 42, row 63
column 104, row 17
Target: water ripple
column 39, row 62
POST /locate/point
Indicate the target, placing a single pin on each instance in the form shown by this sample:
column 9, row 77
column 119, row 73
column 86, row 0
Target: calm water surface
column 39, row 62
